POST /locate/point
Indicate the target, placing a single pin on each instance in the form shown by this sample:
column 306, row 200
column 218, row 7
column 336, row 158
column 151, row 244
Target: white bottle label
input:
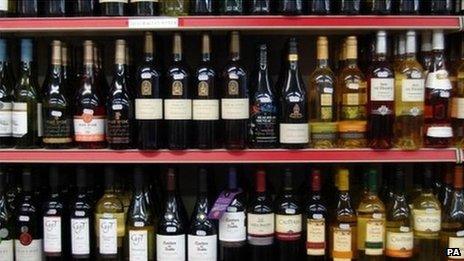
column 205, row 110
column 138, row 245
column 19, row 119
column 89, row 128
column 315, row 235
column 261, row 224
column 6, row 250
column 412, row 90
column 375, row 237
column 108, row 236
column 382, row 89
column 5, row 119
column 202, row 248
column 31, row 252
column 235, row 109
column 80, row 236
column 457, row 108
column 170, row 248
column 438, row 80
column 294, row 133
column 178, row 109
column 232, row 227
column 428, row 220
column 148, row 109
column 457, row 242
column 3, row 5
column 52, row 234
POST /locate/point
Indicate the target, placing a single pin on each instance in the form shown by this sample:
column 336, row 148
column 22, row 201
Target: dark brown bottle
column 235, row 102
column 178, row 102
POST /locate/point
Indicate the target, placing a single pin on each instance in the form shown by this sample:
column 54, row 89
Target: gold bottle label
column 342, row 248
column 315, row 234
column 400, row 244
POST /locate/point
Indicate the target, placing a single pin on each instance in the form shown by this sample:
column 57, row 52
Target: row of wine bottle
column 60, row 8
column 64, row 222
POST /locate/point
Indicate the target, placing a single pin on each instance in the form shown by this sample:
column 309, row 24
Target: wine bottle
column 441, row 7
column 6, row 222
column 427, row 217
column 85, row 7
column 260, row 222
column 56, row 109
column 232, row 226
column 109, row 221
column 27, row 107
column 14, row 190
column 437, row 130
column 231, row 7
column 54, row 218
column 6, row 98
column 235, row 102
column 205, row 106
column 377, row 7
column 28, row 224
column 290, row 7
column 120, row 107
column 56, row 8
column 381, row 97
column 399, row 234
column 261, row 7
column 453, row 216
column 293, row 129
column 288, row 220
column 446, row 191
column 81, row 218
column 113, row 7
column 27, row 8
column 175, row 7
column 343, row 224
column 320, row 7
column 263, row 114
column 202, row 7
column 426, row 54
column 89, row 108
column 459, row 7
column 145, row 7
column 140, row 225
column 148, row 101
column 316, row 221
column 178, row 102
column 202, row 235
column 350, row 7
column 170, row 236
column 409, row 7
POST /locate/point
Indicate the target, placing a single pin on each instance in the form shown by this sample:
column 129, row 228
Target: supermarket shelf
column 225, row 156
column 84, row 24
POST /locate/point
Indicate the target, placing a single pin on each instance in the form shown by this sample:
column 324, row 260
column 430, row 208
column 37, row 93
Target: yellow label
column 342, row 243
column 315, row 234
column 427, row 220
column 399, row 244
column 456, row 242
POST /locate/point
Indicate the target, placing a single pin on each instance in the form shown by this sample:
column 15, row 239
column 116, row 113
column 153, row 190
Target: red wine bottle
column 202, row 236
column 288, row 222
column 145, row 7
column 113, row 7
column 206, row 101
column 261, row 222
column 232, row 226
column 6, row 97
column 170, row 236
column 235, row 101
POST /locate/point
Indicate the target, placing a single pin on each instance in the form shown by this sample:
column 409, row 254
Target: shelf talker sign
column 153, row 23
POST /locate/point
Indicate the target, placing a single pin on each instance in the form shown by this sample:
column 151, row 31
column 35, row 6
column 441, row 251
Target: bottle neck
column 206, row 57
column 149, row 57
column 323, row 63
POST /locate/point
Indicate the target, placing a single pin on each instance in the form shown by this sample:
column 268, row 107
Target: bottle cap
column 139, row 177
column 322, row 48
column 177, row 45
column 203, row 180
column 315, row 180
column 438, row 40
column 232, row 178
column 343, row 179
column 402, row 41
column 205, row 44
column 288, row 183
column 56, row 53
column 26, row 50
column 171, row 180
column 458, row 176
column 3, row 56
column 120, row 52
column 148, row 47
column 260, row 181
column 235, row 42
column 381, row 43
column 81, row 177
column 351, row 47
column 410, row 42
column 426, row 41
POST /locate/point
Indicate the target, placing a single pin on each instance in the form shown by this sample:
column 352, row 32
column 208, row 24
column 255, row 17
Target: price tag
column 153, row 23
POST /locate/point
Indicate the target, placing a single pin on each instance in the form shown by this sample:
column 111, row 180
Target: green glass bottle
column 175, row 7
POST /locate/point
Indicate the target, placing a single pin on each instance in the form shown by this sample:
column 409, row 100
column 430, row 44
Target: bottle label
column 375, row 234
column 108, row 236
column 382, row 89
column 5, row 119
column 19, row 119
column 57, row 127
column 4, row 7
column 235, row 109
column 412, row 90
column 52, row 234
column 288, row 227
column 427, row 220
column 118, row 128
column 400, row 244
column 353, row 106
column 80, row 236
column 114, row 1
column 440, row 132
column 326, row 106
column 30, row 250
column 148, row 109
column 205, row 110
column 89, row 128
column 177, row 109
column 170, row 248
column 457, row 108
column 221, row 203
column 263, row 127
column 457, row 242
column 260, row 229
column 232, row 227
column 7, row 250
column 294, row 133
column 138, row 245
column 352, row 99
column 342, row 248
column 438, row 80
column 315, row 235
column 202, row 248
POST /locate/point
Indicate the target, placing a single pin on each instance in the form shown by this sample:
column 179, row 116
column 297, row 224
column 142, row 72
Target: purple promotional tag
column 222, row 202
